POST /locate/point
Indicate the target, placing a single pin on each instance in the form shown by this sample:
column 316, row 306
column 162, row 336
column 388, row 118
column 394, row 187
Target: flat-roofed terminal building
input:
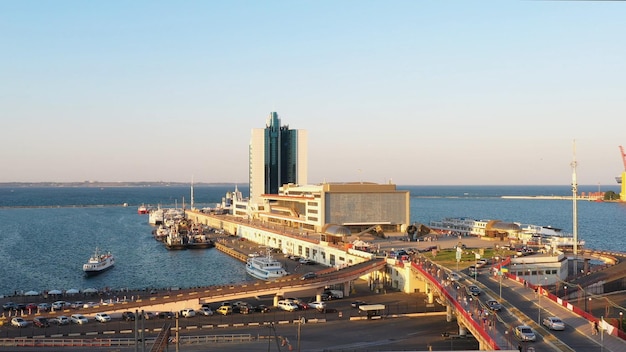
column 357, row 206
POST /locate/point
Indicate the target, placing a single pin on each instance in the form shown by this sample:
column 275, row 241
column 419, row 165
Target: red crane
column 623, row 156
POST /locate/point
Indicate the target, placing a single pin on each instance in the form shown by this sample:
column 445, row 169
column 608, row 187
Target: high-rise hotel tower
column 278, row 155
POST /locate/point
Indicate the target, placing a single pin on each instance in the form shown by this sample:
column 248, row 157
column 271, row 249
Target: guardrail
column 120, row 342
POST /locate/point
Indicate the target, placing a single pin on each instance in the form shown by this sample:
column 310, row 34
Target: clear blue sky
column 416, row 92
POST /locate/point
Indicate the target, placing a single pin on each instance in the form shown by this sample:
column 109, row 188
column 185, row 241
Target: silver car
column 525, row 333
column 554, row 323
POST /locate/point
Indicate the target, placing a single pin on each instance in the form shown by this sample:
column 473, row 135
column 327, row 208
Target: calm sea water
column 48, row 233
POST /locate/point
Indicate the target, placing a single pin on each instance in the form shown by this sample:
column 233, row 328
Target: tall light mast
column 575, row 211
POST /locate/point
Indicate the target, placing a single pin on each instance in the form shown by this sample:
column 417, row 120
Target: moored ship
column 98, row 263
column 265, row 267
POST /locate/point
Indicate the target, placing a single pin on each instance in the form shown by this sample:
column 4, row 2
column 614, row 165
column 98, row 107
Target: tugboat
column 98, row 263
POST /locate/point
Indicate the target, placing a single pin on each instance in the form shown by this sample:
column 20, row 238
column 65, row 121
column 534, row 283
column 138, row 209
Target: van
column 335, row 294
column 224, row 310
column 287, row 305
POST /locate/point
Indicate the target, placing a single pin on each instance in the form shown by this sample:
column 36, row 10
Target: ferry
column 265, row 267
column 459, row 226
column 98, row 263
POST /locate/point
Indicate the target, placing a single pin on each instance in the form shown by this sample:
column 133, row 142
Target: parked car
column 128, row 316
column 76, row 305
column 103, row 317
column 19, row 322
column 334, row 294
column 554, row 323
column 59, row 305
column 148, row 315
column 306, row 261
column 262, row 308
column 41, row 322
column 308, row 276
column 206, row 311
column 43, row 307
column 31, row 307
column 165, row 315
column 287, row 305
column 79, row 319
column 62, row 320
column 188, row 313
column 9, row 306
column 524, row 333
column 224, row 310
column 319, row 305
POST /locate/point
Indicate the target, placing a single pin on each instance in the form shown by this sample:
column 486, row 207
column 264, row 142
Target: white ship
column 156, row 216
column 459, row 226
column 265, row 267
column 98, row 263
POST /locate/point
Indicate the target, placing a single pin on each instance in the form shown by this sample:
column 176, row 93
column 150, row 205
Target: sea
column 47, row 233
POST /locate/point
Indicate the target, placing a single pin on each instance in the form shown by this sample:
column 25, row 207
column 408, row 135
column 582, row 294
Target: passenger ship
column 98, row 263
column 265, row 267
column 460, row 226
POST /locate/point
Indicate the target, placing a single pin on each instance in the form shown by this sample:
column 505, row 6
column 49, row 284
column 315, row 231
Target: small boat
column 98, row 263
column 142, row 209
column 199, row 242
column 175, row 241
column 265, row 267
column 160, row 233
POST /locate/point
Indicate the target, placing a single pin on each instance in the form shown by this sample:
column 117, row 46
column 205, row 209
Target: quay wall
column 287, row 240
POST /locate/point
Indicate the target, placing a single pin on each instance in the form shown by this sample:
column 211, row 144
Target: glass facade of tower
column 281, row 155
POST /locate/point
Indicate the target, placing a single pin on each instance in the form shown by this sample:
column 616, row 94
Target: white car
column 554, row 323
column 317, row 305
column 103, row 317
column 62, row 320
column 58, row 305
column 79, row 319
column 188, row 313
column 19, row 322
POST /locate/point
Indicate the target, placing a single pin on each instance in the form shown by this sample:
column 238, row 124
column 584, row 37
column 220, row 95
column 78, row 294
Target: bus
column 373, row 311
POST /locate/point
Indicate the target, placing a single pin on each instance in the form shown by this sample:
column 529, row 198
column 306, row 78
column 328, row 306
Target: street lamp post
column 539, row 304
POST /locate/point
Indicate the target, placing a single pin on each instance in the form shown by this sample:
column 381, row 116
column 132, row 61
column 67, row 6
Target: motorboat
column 142, row 209
column 98, row 263
column 265, row 267
column 175, row 241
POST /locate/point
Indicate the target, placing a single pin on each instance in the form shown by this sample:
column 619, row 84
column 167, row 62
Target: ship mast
column 192, row 193
column 575, row 211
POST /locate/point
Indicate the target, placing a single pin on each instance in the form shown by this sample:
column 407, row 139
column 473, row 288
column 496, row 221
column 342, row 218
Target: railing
column 120, row 342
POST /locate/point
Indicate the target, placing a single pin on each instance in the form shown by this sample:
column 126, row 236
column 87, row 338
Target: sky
column 408, row 92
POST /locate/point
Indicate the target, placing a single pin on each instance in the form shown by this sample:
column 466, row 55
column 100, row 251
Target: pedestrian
column 595, row 328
